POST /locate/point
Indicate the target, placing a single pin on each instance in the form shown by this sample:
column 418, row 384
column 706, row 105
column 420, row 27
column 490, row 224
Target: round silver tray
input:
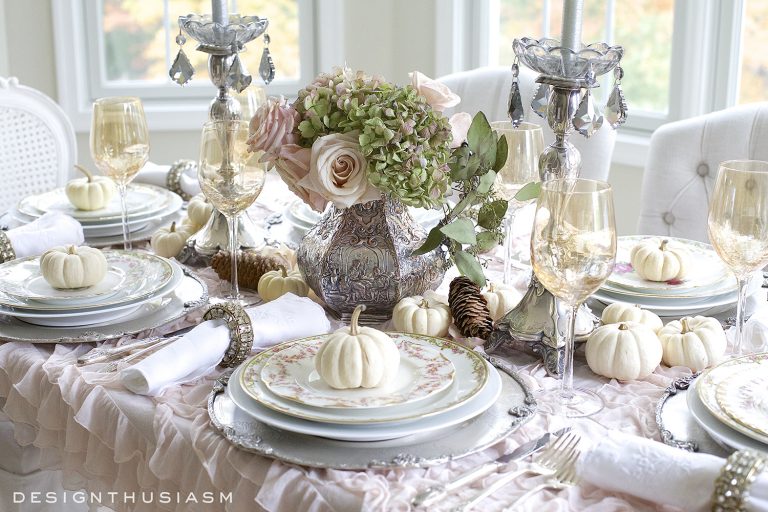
column 514, row 407
column 191, row 294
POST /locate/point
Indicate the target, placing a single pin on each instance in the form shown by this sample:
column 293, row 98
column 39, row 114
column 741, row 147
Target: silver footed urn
column 363, row 255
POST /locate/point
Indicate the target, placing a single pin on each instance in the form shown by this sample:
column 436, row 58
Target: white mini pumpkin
column 168, row 242
column 276, row 283
column 695, row 342
column 625, row 351
column 500, row 299
column 421, row 316
column 199, row 210
column 69, row 267
column 354, row 357
column 91, row 192
column 659, row 261
column 622, row 312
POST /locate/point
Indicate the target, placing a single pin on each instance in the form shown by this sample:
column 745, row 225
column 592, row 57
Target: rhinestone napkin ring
column 240, row 331
column 6, row 249
column 732, row 485
column 173, row 178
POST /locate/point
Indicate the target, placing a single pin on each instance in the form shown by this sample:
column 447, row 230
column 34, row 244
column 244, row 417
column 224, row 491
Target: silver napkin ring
column 6, row 249
column 240, row 331
column 173, row 178
column 733, row 482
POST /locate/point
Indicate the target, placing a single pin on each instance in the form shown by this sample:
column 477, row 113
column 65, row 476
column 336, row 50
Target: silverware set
column 555, row 457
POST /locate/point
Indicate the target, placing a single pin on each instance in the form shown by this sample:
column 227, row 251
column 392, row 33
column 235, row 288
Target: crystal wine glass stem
column 123, row 191
column 507, row 249
column 233, row 246
column 566, row 383
column 738, row 346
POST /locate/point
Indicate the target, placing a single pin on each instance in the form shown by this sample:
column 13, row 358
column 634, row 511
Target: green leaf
column 462, row 230
column 486, row 151
column 462, row 205
column 478, row 130
column 491, row 214
column 486, row 240
column 529, row 191
column 470, row 267
column 502, row 151
column 434, row 238
column 486, row 182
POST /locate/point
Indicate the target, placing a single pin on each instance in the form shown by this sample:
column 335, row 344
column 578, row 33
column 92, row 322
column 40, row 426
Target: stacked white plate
column 708, row 287
column 133, row 279
column 439, row 384
column 730, row 403
column 148, row 207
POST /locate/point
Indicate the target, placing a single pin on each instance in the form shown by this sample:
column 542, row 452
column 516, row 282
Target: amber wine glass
column 738, row 226
column 573, row 249
column 230, row 177
column 120, row 145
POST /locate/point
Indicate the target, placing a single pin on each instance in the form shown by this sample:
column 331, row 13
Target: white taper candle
column 572, row 18
column 219, row 10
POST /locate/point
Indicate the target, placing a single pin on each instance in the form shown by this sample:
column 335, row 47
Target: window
column 754, row 60
column 121, row 47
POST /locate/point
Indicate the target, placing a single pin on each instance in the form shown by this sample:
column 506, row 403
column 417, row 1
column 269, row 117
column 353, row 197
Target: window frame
column 168, row 106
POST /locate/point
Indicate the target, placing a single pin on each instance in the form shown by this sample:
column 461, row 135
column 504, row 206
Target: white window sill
column 631, row 148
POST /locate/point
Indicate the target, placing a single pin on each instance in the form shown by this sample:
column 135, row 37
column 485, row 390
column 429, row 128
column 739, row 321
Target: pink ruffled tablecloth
column 107, row 439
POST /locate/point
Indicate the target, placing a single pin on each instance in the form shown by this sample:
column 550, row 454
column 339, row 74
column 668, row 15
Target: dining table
column 104, row 439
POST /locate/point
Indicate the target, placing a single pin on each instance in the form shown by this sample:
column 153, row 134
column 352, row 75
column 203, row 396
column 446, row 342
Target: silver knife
column 432, row 494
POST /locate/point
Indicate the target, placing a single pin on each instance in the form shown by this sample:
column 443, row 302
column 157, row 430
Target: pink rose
column 438, row 95
column 338, row 171
column 460, row 124
column 272, row 126
column 292, row 164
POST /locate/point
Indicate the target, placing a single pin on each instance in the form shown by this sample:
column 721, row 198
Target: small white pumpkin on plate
column 419, row 315
column 624, row 351
column 199, row 210
column 276, row 283
column 660, row 261
column 354, row 357
column 500, row 299
column 623, row 312
column 168, row 242
column 69, row 267
column 91, row 192
column 695, row 342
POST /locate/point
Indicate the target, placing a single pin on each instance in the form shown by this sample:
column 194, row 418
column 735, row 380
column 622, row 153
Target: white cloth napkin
column 154, row 174
column 201, row 349
column 659, row 473
column 756, row 328
column 50, row 230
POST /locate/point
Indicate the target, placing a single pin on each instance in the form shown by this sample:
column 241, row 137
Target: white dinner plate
column 471, row 377
column 140, row 235
column 706, row 267
column 743, row 397
column 719, row 431
column 708, row 307
column 474, row 407
column 145, row 275
column 289, row 372
column 35, row 287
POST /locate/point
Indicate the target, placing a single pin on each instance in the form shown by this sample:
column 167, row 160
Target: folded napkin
column 154, row 174
column 756, row 328
column 50, row 230
column 201, row 349
column 659, row 473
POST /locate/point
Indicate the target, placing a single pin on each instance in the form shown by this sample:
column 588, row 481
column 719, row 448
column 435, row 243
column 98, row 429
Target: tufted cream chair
column 487, row 89
column 682, row 166
column 37, row 143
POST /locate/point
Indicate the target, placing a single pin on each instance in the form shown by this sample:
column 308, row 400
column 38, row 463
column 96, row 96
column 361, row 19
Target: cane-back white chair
column 37, row 143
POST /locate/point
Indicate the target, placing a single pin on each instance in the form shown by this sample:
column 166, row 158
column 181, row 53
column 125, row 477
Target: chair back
column 487, row 89
column 37, row 143
column 682, row 166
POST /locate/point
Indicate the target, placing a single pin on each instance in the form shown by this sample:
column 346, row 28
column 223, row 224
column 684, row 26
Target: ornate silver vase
column 362, row 255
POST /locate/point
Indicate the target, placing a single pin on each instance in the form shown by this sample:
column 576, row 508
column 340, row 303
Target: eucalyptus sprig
column 474, row 224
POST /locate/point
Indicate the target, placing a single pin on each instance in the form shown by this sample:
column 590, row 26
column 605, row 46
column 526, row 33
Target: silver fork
column 564, row 477
column 115, row 365
column 551, row 459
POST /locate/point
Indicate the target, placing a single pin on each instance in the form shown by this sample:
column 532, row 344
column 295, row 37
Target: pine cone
column 250, row 267
column 469, row 309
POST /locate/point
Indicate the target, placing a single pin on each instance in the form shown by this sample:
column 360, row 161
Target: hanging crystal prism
column 515, row 107
column 588, row 118
column 266, row 66
column 237, row 77
column 616, row 108
column 540, row 100
column 181, row 70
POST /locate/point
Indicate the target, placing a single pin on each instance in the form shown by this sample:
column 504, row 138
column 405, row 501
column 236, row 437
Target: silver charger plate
column 514, row 407
column 189, row 295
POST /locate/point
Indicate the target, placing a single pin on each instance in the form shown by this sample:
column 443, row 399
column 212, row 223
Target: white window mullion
column 726, row 73
column 168, row 33
column 545, row 28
